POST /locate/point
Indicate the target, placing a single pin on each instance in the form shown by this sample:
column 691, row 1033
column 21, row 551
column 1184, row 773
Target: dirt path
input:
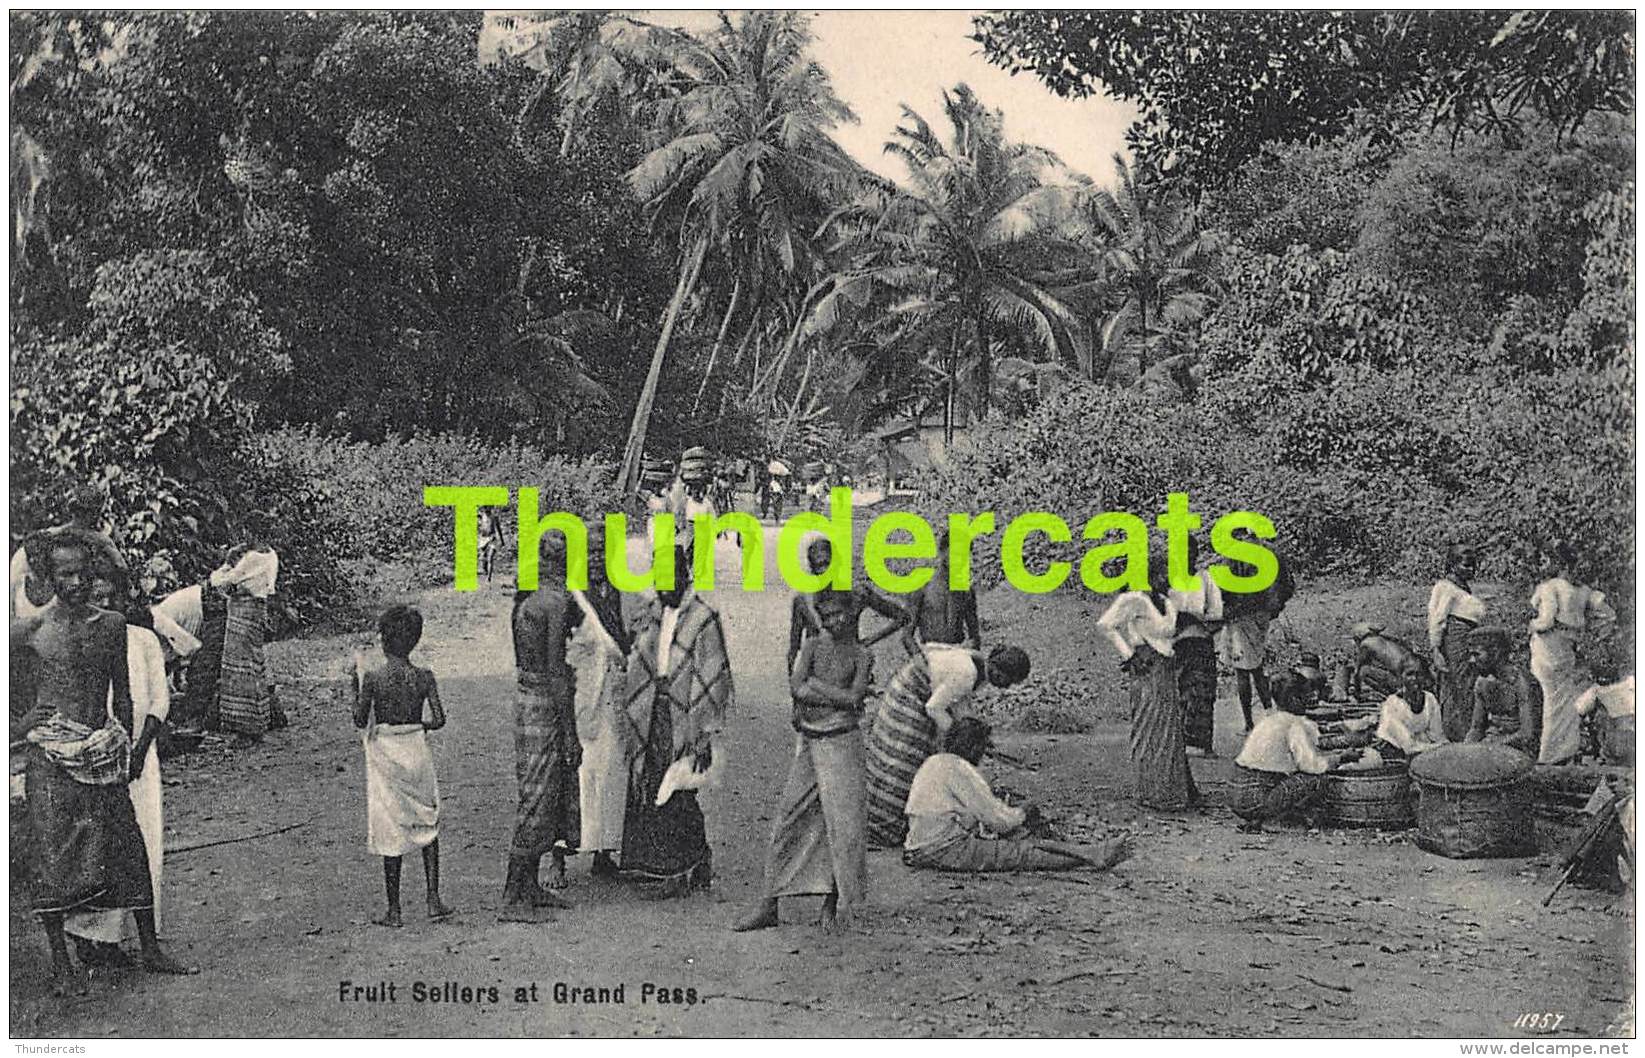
column 1206, row 932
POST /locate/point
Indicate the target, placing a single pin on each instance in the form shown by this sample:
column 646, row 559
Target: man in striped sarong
column 913, row 716
column 90, row 850
column 546, row 751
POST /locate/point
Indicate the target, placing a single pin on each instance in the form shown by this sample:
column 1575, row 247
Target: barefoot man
column 820, row 843
column 546, row 751
column 90, row 851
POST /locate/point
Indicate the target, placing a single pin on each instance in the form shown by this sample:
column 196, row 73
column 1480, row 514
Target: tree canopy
column 1214, row 86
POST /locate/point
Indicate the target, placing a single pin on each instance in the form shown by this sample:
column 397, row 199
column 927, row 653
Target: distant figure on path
column 493, row 539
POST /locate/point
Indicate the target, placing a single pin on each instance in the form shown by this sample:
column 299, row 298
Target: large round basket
column 1375, row 797
column 1475, row 801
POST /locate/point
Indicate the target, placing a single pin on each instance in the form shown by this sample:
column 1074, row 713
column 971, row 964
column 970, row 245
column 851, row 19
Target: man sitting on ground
column 1279, row 772
column 1507, row 700
column 950, row 804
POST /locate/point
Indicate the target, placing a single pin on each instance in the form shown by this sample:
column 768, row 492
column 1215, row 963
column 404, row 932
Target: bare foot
column 523, row 911
column 762, row 917
column 70, row 981
column 391, row 919
column 673, row 888
column 1115, row 852
column 157, row 961
column 438, row 911
column 835, row 921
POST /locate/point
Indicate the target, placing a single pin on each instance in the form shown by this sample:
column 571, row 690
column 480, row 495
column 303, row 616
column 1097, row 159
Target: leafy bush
column 160, row 434
column 1374, row 474
column 376, row 490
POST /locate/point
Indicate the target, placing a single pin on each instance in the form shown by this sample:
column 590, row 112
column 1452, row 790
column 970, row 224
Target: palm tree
column 586, row 60
column 1157, row 267
column 746, row 160
column 954, row 259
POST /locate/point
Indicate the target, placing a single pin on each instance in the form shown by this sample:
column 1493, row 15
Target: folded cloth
column 683, row 774
column 254, row 574
column 96, row 757
column 402, row 793
column 182, row 642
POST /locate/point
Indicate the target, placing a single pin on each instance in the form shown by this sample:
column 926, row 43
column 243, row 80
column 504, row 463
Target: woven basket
column 1476, row 802
column 1376, row 797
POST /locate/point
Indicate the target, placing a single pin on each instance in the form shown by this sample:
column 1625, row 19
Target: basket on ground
column 1475, row 801
column 1374, row 797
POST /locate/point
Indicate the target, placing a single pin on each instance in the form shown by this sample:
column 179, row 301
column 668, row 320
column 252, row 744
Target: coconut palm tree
column 952, row 262
column 585, row 59
column 745, row 162
column 1157, row 267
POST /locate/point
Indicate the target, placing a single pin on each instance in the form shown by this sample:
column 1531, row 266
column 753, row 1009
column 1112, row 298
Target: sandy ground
column 1205, row 932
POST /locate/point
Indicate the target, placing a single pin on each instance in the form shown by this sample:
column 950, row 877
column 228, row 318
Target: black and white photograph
column 887, row 524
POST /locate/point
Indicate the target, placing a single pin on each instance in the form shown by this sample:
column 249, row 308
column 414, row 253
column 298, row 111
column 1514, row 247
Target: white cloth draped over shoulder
column 1449, row 600
column 1284, row 743
column 254, row 574
column 1134, row 619
column 146, row 666
column 1412, row 732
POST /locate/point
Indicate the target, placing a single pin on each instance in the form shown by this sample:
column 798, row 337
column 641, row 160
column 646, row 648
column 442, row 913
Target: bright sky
column 880, row 59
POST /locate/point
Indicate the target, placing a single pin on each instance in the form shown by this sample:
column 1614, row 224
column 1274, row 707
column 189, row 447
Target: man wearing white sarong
column 402, row 792
column 598, row 652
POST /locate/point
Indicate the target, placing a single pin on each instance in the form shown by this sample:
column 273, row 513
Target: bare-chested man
column 89, row 848
column 940, row 614
column 546, row 751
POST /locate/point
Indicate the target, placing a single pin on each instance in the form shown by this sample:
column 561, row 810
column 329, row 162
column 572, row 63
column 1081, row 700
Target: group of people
column 618, row 719
column 1472, row 690
column 616, row 730
column 95, row 673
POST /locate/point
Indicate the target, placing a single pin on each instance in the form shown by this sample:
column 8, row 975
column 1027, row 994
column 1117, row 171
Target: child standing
column 820, row 843
column 402, row 793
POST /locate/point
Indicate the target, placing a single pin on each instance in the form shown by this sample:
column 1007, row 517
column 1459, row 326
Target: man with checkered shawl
column 678, row 691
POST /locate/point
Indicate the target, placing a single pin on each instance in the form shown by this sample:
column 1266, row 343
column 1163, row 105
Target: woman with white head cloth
column 244, row 704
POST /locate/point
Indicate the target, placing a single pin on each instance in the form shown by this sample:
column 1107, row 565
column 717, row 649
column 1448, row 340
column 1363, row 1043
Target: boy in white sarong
column 402, row 793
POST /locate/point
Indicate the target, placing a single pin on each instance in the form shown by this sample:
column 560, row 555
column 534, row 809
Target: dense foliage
column 1215, row 86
